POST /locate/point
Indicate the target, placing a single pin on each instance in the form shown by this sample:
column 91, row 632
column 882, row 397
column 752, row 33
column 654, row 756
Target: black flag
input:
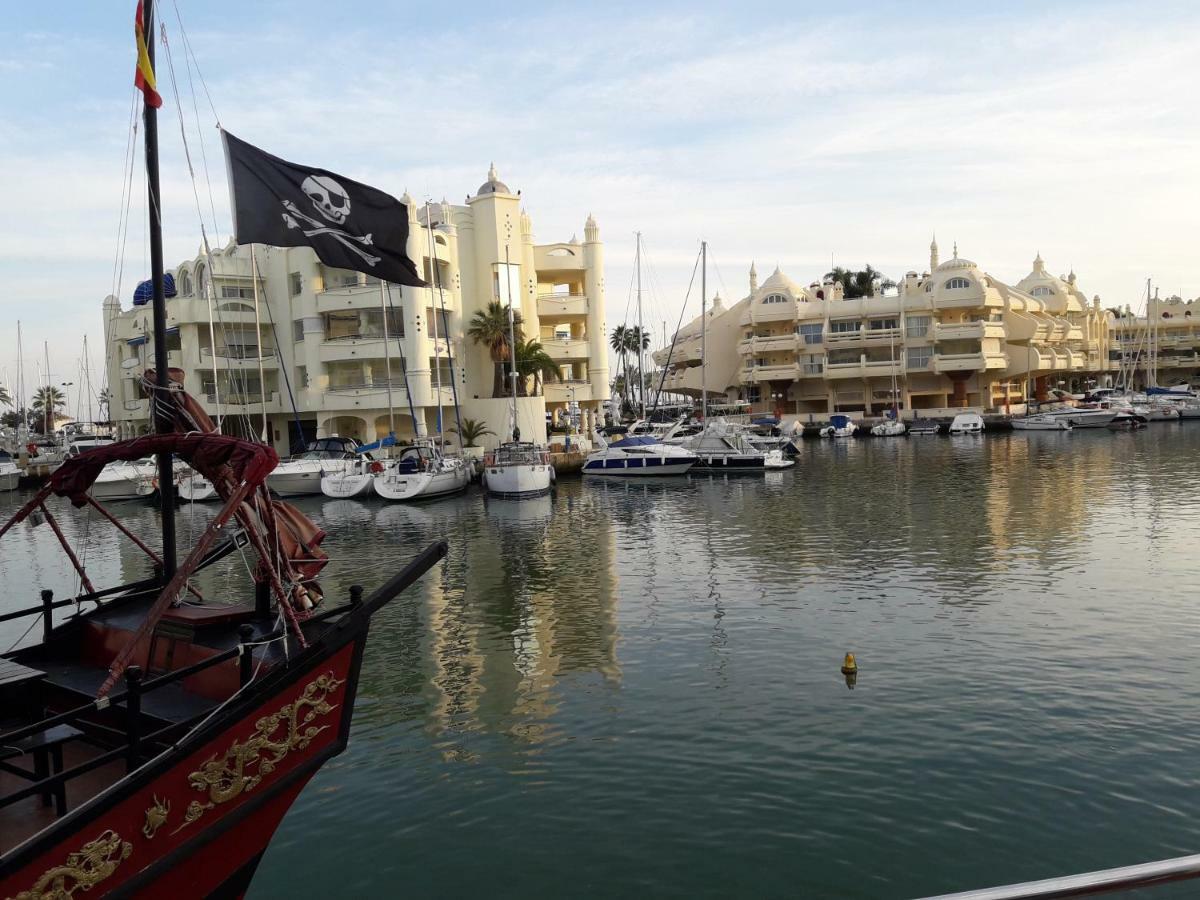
column 349, row 225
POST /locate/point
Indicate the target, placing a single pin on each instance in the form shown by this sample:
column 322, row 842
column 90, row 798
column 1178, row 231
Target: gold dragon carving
column 246, row 763
column 83, row 870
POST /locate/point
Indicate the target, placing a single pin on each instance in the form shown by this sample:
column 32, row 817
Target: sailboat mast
column 87, row 377
column 387, row 361
column 262, row 384
column 21, row 385
column 47, row 403
column 512, row 343
column 159, row 411
column 437, row 358
column 641, row 342
column 703, row 331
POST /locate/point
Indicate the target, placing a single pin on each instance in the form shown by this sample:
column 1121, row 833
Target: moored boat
column 637, row 456
column 518, row 469
column 302, row 474
column 421, row 472
column 967, row 423
column 10, row 472
column 1041, row 423
column 839, row 426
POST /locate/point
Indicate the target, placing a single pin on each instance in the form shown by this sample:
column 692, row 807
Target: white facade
column 320, row 338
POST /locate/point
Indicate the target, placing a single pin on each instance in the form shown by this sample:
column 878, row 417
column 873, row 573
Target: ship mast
column 158, row 410
column 703, row 332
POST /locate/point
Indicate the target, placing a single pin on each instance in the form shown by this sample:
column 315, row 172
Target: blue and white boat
column 637, row 455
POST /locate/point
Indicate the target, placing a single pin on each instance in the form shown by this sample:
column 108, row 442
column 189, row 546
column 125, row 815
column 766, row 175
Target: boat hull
column 637, row 468
column 401, row 486
column 193, row 821
column 296, row 482
column 519, row 480
column 10, row 480
column 343, row 485
column 195, row 489
column 730, row 463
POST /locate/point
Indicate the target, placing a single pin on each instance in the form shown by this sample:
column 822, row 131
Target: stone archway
column 345, row 426
column 404, row 427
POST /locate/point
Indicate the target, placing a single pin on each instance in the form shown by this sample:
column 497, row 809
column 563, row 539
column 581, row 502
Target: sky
column 792, row 134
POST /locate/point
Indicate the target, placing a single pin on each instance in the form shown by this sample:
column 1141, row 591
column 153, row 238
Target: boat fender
column 376, row 466
column 31, row 449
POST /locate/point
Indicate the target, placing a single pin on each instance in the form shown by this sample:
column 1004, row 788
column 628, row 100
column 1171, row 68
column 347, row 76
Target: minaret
column 753, row 279
column 1039, row 264
column 933, row 254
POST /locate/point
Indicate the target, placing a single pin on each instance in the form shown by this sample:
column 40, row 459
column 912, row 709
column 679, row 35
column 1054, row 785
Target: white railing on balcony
column 376, row 384
column 238, row 351
column 238, row 398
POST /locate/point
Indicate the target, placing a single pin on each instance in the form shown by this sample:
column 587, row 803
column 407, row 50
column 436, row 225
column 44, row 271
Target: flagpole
column 160, row 411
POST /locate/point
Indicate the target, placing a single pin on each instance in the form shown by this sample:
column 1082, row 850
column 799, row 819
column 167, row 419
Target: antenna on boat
column 160, row 411
column 703, row 331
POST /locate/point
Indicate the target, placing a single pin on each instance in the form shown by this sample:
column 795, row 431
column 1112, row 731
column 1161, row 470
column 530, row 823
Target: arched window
column 1042, row 291
column 183, row 281
column 774, row 298
column 929, row 287
column 202, row 280
column 234, row 306
column 957, row 284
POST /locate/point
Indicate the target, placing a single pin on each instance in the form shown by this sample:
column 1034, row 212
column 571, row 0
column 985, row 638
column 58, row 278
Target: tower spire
column 933, row 253
column 753, row 278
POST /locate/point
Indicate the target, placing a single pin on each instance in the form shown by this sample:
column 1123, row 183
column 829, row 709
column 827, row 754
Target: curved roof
column 493, row 185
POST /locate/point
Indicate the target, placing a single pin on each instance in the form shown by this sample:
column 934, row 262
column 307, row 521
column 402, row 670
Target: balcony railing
column 377, row 384
column 238, row 351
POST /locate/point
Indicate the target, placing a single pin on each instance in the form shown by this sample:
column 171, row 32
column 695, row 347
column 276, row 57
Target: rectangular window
column 845, row 327
column 812, row 363
column 918, row 326
column 340, row 278
column 295, row 284
column 918, row 357
column 301, row 378
column 881, row 324
column 753, row 394
column 298, row 331
column 843, row 357
column 234, row 291
column 812, row 334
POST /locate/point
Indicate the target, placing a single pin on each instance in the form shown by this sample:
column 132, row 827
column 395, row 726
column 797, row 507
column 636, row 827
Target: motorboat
column 1083, row 417
column 720, row 448
column 193, row 487
column 353, row 480
column 637, row 455
column 10, row 472
column 967, row 423
column 839, row 427
column 302, row 473
column 924, row 426
column 889, row 428
column 422, row 472
column 1041, row 423
column 518, row 469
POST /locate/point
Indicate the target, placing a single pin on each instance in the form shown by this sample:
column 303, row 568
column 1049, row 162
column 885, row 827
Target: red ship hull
column 194, row 821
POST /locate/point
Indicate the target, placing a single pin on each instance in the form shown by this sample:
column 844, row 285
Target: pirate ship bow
column 151, row 742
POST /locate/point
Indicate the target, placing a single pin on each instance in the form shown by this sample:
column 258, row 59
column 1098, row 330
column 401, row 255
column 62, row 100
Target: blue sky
column 790, row 133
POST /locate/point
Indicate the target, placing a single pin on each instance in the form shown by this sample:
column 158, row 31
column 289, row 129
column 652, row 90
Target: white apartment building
column 952, row 338
column 316, row 361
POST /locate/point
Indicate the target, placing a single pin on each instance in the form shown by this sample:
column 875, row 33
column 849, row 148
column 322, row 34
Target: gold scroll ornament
column 84, row 869
column 245, row 765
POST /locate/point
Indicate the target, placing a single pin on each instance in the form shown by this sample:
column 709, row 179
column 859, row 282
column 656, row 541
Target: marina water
column 633, row 689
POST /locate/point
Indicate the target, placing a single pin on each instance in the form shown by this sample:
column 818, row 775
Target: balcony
column 783, row 372
column 136, row 408
column 845, row 370
column 242, row 401
column 776, row 342
column 359, row 296
column 770, row 312
column 239, row 356
column 352, row 347
column 576, row 389
column 558, row 258
column 562, row 306
column 968, row 362
column 568, row 349
column 866, row 337
column 962, row 331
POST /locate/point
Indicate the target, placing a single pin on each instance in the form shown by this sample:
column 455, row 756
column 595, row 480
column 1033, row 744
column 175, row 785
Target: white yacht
column 1041, row 423
column 10, row 472
column 126, row 481
column 720, row 448
column 967, row 423
column 354, row 479
column 637, row 455
column 302, row 473
column 889, row 428
column 518, row 469
column 421, row 472
column 839, row 427
column 194, row 487
column 1082, row 417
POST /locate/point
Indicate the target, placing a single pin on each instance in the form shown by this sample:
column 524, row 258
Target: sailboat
column 196, row 724
column 891, row 426
column 516, row 468
column 423, row 471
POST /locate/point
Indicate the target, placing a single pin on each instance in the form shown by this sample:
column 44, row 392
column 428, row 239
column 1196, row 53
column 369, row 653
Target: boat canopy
column 839, row 421
column 634, row 440
column 250, row 462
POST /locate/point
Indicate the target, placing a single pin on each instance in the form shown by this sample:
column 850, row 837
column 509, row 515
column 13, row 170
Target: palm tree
column 105, row 397
column 472, row 431
column 46, row 401
column 5, row 397
column 489, row 327
column 619, row 341
column 533, row 360
column 636, row 341
column 856, row 284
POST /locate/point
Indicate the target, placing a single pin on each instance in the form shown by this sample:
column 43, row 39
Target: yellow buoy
column 849, row 666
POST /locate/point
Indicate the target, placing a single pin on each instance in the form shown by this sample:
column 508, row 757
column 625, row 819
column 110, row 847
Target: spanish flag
column 143, row 78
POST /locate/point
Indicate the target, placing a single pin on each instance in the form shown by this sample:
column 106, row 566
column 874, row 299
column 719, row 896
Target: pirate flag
column 349, row 225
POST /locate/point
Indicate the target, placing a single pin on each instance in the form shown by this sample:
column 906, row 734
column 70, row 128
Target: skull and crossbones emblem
column 332, row 203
